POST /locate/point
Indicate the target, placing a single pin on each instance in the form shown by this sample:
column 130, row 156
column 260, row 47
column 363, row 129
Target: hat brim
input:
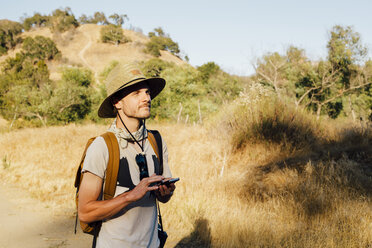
column 156, row 85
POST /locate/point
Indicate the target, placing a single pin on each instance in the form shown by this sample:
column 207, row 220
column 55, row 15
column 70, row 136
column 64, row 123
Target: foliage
column 259, row 116
column 113, row 34
column 26, row 89
column 63, row 20
column 40, row 47
column 8, row 35
column 324, row 86
column 99, row 18
column 154, row 67
column 60, row 20
column 37, row 20
column 160, row 41
column 189, row 94
column 118, row 19
column 345, row 47
column 207, row 70
column 27, row 93
column 71, row 100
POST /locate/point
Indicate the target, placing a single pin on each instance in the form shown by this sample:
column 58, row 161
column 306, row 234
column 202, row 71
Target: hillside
column 82, row 47
column 242, row 198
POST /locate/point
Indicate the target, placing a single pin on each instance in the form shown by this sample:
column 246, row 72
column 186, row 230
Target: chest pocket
column 124, row 178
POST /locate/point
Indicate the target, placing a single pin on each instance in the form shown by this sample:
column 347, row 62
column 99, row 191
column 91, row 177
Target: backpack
column 108, row 191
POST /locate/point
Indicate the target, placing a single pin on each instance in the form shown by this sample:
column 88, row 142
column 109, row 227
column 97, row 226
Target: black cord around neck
column 143, row 132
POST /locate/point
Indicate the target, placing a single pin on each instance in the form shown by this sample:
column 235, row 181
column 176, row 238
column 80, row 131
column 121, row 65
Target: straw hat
column 121, row 77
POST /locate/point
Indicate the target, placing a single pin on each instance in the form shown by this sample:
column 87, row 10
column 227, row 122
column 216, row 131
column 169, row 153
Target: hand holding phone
column 168, row 182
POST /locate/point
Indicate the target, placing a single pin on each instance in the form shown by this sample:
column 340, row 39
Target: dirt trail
column 26, row 223
column 82, row 53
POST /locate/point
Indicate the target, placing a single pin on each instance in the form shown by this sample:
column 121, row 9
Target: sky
column 233, row 34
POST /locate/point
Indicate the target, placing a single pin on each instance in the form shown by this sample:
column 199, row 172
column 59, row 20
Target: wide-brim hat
column 122, row 76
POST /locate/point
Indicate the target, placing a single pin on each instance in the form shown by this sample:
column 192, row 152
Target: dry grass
column 224, row 199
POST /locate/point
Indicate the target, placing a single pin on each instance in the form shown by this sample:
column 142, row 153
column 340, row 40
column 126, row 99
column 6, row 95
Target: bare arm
column 90, row 209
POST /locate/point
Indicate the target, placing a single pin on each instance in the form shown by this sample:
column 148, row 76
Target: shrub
column 72, row 99
column 258, row 116
column 113, row 34
column 40, row 47
column 160, row 41
column 8, row 35
column 37, row 20
column 62, row 20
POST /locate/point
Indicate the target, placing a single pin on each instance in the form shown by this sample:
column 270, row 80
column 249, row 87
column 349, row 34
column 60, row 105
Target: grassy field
column 309, row 189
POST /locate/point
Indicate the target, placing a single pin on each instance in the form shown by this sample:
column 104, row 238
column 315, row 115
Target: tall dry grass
column 289, row 191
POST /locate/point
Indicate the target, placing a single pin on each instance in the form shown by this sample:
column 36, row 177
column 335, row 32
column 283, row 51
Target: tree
column 160, row 41
column 8, row 35
column 37, row 20
column 325, row 86
column 207, row 70
column 40, row 47
column 83, row 19
column 270, row 70
column 63, row 20
column 118, row 19
column 99, row 18
column 345, row 47
column 113, row 34
column 72, row 99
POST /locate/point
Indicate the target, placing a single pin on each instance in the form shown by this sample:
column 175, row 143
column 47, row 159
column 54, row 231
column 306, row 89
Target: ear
column 118, row 105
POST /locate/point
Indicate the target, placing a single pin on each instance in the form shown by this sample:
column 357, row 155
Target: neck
column 132, row 124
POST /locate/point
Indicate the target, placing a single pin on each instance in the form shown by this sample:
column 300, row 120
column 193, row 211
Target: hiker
column 130, row 218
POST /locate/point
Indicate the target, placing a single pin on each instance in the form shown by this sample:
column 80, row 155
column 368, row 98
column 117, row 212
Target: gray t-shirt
column 135, row 225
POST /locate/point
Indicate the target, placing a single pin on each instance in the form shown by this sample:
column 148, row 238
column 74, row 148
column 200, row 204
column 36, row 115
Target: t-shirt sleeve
column 166, row 170
column 96, row 158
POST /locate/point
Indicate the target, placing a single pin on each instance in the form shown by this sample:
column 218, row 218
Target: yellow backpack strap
column 157, row 145
column 79, row 174
column 153, row 143
column 112, row 165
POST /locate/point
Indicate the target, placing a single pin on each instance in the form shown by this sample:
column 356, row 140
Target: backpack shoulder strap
column 112, row 165
column 78, row 174
column 157, row 144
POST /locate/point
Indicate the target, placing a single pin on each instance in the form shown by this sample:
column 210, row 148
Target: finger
column 153, row 188
column 161, row 190
column 165, row 191
column 172, row 186
column 153, row 179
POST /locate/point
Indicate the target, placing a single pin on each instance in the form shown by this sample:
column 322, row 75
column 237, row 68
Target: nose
column 146, row 96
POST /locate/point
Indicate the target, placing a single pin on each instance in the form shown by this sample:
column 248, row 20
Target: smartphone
column 173, row 180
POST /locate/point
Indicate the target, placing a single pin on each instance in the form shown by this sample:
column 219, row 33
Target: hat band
column 124, row 85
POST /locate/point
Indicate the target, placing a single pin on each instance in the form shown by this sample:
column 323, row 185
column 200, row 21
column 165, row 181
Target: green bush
column 160, row 41
column 186, row 96
column 9, row 31
column 72, row 99
column 37, row 20
column 40, row 47
column 62, row 20
column 113, row 34
column 154, row 67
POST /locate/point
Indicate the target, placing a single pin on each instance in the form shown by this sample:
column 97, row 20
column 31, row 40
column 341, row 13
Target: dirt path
column 81, row 56
column 27, row 223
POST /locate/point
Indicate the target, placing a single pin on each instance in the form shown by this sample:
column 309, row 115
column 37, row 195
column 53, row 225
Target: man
column 130, row 218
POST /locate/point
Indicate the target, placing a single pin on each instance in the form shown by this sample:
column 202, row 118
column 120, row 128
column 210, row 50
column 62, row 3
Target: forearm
column 99, row 210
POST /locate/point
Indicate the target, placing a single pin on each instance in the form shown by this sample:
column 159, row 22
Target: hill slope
column 82, row 47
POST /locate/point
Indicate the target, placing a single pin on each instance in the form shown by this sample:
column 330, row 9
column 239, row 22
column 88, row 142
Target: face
column 137, row 103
